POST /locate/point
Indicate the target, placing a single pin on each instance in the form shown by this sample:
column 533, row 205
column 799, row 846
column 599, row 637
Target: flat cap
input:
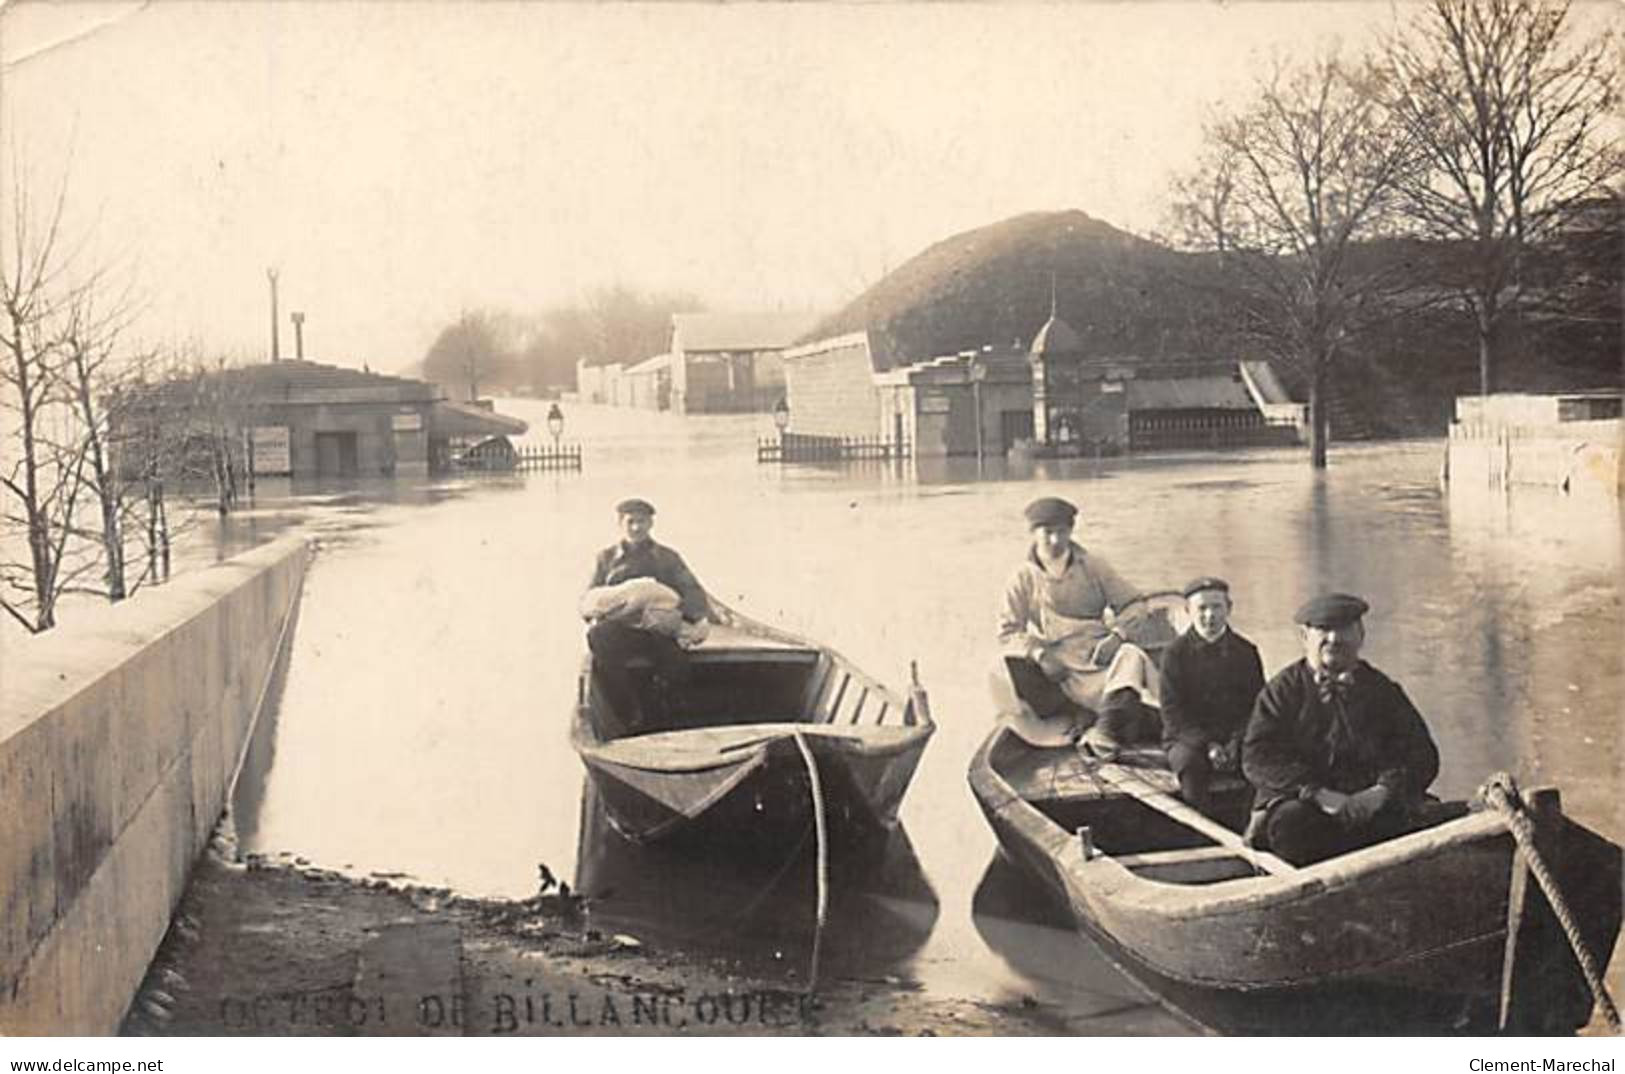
column 635, row 506
column 1207, row 581
column 1332, row 610
column 1050, row 511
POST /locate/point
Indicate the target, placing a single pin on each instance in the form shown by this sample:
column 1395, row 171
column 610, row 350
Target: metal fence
column 1156, row 432
column 801, row 447
column 485, row 459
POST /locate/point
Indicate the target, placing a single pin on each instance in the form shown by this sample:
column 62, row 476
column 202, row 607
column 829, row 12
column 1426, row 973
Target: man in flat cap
column 1211, row 677
column 1065, row 664
column 622, row 613
column 1337, row 754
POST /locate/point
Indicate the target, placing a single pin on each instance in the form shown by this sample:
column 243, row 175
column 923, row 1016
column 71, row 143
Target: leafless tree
column 1289, row 185
column 41, row 477
column 1511, row 109
column 97, row 379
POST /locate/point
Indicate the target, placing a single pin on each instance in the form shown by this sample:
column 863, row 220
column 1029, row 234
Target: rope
column 1501, row 794
column 823, row 854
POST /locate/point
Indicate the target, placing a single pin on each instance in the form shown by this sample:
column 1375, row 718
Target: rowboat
column 1176, row 898
column 774, row 730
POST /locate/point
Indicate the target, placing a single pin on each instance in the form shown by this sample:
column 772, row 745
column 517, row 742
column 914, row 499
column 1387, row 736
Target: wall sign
column 271, row 450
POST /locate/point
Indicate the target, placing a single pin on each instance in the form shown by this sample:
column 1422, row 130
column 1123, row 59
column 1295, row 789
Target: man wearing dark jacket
column 1210, row 678
column 613, row 644
column 1338, row 755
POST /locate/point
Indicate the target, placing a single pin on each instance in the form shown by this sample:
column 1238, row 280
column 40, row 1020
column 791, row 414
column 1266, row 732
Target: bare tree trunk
column 1319, row 418
column 1485, row 322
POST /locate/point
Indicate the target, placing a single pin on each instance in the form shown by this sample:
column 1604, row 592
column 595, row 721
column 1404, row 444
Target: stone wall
column 119, row 740
column 831, row 390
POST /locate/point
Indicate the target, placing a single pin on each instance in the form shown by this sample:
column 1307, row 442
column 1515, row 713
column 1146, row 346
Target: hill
column 1131, row 298
column 1122, row 294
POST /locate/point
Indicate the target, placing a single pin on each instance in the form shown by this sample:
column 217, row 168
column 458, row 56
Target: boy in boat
column 1338, row 755
column 1211, row 677
column 616, row 638
column 1063, row 661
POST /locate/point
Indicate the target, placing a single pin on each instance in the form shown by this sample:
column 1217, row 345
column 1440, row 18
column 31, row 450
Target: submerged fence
column 1171, row 432
column 490, row 459
column 801, row 447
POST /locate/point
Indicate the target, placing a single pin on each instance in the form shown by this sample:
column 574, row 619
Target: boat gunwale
column 1248, row 894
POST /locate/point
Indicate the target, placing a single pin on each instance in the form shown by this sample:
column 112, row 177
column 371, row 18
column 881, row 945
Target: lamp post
column 781, row 420
column 978, row 373
column 555, row 423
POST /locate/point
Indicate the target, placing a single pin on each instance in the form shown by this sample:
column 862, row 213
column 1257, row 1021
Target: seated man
column 1064, row 662
column 1210, row 678
column 1338, row 755
column 644, row 631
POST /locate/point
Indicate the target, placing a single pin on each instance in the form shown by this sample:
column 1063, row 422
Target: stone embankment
column 120, row 737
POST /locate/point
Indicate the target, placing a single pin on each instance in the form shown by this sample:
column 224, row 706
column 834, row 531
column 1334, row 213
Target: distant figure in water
column 1065, row 664
column 1211, row 677
column 642, row 603
column 1338, row 755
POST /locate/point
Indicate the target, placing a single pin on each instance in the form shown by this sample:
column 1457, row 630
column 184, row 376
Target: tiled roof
column 294, row 376
column 740, row 331
column 650, row 365
column 1188, row 393
column 463, row 419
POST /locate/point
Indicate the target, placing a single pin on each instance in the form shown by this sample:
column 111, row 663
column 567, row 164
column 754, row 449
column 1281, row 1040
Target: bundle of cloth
column 1093, row 672
column 643, row 604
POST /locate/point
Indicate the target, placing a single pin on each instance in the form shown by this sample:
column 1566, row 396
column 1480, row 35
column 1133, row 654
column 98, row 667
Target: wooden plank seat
column 1182, row 856
column 1133, row 781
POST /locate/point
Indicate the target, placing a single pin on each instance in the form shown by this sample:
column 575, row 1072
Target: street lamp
column 978, row 373
column 555, row 423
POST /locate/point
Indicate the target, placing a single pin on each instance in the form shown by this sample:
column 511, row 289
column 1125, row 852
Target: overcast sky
column 399, row 163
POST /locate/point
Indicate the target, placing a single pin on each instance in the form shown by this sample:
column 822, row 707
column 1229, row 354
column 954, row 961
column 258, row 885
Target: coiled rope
column 823, row 854
column 1500, row 793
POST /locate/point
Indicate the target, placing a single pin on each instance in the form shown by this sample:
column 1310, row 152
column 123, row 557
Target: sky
column 401, row 163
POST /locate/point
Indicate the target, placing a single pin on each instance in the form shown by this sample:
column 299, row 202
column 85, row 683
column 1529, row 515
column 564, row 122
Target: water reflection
column 423, row 728
column 760, row 914
column 1024, row 925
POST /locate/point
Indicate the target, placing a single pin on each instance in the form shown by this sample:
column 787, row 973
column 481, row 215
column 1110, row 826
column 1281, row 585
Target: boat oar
column 1500, row 792
column 817, row 788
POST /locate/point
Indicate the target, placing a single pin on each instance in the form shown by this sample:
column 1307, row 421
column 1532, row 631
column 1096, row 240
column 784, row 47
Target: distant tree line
column 1477, row 134
column 496, row 351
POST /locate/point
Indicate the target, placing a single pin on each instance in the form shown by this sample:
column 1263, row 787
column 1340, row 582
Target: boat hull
column 763, row 800
column 1423, row 914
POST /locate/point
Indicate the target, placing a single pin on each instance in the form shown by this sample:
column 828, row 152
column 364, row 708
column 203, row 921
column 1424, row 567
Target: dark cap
column 1050, row 511
column 635, row 506
column 1332, row 610
column 1207, row 581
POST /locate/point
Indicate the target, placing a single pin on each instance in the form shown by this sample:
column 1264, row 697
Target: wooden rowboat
column 1175, row 897
column 734, row 772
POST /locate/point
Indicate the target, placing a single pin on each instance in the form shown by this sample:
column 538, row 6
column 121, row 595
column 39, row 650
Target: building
column 1048, row 397
column 731, row 362
column 307, row 419
column 648, row 384
column 1571, row 441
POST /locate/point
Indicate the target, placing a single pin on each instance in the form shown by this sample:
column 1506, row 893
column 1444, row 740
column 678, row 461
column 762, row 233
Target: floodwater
column 422, row 724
